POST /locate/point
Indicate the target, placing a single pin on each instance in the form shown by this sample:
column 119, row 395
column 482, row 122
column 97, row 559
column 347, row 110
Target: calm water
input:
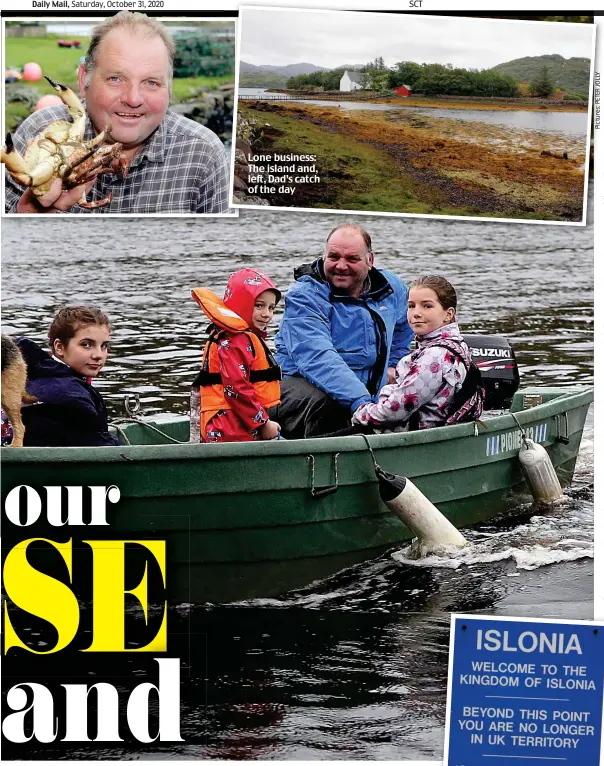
column 569, row 123
column 354, row 667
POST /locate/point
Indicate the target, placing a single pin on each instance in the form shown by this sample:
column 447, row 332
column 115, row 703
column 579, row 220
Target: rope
column 375, row 462
column 522, row 431
column 120, row 430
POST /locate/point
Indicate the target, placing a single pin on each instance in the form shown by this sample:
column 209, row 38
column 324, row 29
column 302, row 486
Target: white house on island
column 351, row 81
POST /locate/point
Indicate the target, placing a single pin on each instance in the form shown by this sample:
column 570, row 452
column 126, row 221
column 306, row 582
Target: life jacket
column 208, row 387
column 467, row 403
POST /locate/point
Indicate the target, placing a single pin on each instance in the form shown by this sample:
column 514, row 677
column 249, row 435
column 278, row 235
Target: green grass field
column 59, row 63
column 62, row 65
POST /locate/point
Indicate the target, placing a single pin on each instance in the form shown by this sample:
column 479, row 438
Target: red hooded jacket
column 234, row 355
column 242, row 289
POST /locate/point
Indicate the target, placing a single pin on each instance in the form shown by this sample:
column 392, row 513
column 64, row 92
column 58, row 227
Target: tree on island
column 542, row 86
column 375, row 75
column 328, row 80
column 425, row 79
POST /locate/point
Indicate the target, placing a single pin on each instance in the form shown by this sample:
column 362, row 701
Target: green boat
column 257, row 519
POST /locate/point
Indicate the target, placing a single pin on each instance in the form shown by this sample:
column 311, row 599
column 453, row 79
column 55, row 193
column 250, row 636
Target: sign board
column 524, row 691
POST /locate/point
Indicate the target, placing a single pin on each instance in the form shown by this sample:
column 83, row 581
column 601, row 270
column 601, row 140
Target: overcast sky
column 330, row 39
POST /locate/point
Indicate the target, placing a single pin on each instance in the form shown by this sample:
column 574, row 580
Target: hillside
column 570, row 74
column 293, row 70
column 260, row 79
column 287, row 70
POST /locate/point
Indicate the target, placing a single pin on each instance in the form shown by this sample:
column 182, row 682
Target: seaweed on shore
column 428, row 165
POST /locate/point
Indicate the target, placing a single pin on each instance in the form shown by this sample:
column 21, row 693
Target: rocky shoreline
column 212, row 108
column 482, row 103
column 479, row 168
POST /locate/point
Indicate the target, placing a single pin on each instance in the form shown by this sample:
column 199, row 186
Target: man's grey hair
column 134, row 23
column 351, row 227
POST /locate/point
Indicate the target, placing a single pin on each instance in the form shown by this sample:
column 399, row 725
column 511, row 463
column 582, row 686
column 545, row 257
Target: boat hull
column 241, row 520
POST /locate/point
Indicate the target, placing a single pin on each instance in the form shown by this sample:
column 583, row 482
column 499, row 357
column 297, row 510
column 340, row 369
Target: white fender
column 417, row 513
column 539, row 472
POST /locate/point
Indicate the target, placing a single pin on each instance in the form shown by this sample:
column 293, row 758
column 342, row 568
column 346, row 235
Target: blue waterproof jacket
column 341, row 344
column 69, row 412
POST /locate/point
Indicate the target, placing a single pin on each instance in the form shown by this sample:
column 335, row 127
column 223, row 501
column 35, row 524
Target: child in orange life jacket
column 239, row 379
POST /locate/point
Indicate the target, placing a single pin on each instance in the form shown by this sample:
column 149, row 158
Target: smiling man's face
column 129, row 87
column 347, row 262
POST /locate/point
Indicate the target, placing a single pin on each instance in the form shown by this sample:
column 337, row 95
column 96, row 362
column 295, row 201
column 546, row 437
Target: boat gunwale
column 580, row 396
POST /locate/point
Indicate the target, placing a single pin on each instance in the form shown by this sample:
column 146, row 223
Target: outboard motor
column 496, row 361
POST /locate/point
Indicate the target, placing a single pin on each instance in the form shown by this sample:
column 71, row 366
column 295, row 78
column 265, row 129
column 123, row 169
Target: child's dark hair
column 445, row 292
column 69, row 319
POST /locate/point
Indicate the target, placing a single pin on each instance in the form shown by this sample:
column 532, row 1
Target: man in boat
column 342, row 334
column 174, row 165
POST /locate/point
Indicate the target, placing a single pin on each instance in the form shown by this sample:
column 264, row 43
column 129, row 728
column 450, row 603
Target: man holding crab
column 167, row 163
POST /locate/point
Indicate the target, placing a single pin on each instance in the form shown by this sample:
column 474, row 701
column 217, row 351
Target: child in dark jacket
column 69, row 411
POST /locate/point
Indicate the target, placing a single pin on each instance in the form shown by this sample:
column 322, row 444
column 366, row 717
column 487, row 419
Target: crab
column 60, row 151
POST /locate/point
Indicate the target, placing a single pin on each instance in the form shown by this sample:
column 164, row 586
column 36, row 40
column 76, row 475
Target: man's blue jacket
column 343, row 345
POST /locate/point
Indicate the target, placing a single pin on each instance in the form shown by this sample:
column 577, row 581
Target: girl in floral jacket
column 428, row 378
